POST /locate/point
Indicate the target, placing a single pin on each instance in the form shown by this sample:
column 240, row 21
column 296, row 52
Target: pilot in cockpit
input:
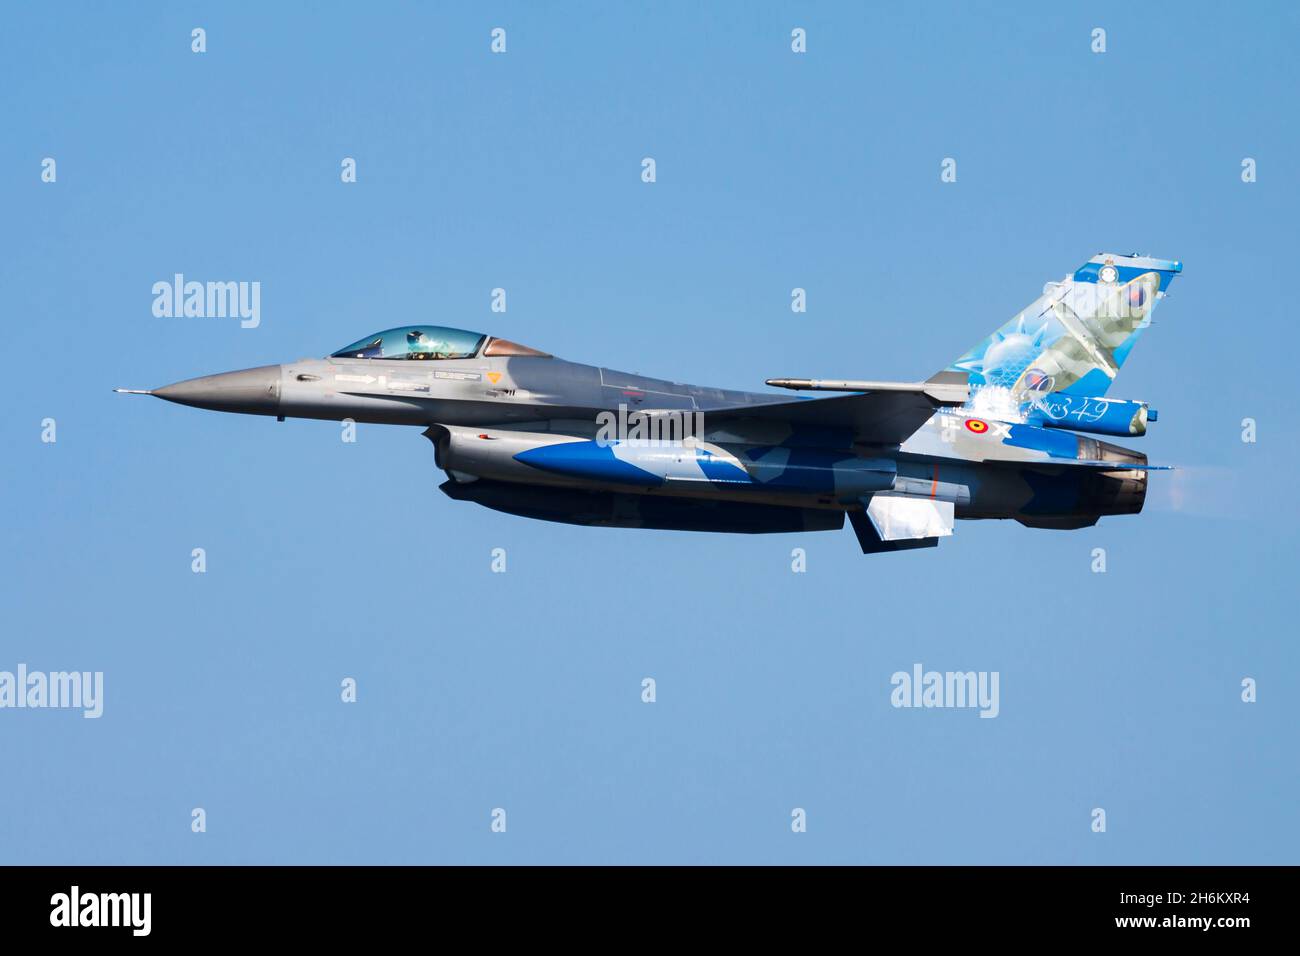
column 420, row 346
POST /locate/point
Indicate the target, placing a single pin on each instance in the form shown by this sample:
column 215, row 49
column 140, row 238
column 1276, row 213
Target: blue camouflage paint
column 796, row 469
column 1057, row 444
column 587, row 459
column 720, row 470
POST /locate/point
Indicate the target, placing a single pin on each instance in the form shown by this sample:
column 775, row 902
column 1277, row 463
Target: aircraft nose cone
column 253, row 391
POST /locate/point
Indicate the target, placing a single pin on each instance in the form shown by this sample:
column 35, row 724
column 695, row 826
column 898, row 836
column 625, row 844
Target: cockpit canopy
column 415, row 342
column 422, row 342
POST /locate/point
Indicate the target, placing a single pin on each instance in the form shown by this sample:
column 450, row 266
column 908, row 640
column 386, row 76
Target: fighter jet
column 992, row 435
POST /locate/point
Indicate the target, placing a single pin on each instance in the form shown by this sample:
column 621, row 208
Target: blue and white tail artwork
column 1055, row 360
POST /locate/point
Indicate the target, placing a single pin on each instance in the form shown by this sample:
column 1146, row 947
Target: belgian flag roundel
column 977, row 425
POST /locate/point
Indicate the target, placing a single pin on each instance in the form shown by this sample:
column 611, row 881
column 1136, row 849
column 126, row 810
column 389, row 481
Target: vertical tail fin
column 1075, row 336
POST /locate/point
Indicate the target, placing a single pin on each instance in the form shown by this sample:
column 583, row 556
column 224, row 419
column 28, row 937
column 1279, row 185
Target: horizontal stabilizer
column 1102, row 465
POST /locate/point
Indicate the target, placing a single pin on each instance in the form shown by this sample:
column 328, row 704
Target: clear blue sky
column 522, row 690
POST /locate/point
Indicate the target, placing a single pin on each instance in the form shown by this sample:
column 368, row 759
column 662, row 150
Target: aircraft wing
column 884, row 417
